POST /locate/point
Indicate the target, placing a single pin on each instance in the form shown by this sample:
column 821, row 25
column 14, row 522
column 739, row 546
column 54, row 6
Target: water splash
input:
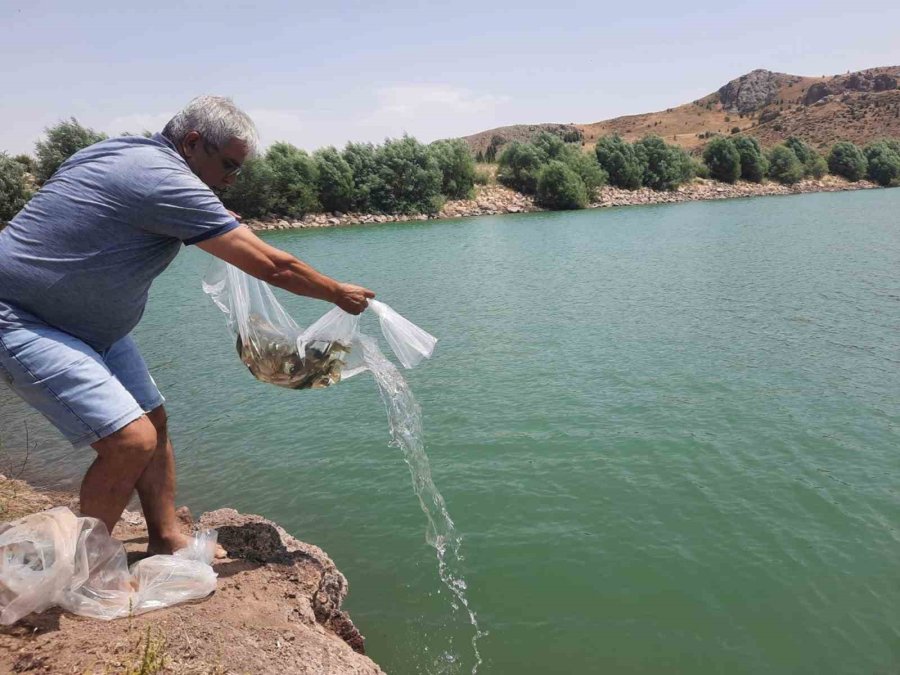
column 405, row 419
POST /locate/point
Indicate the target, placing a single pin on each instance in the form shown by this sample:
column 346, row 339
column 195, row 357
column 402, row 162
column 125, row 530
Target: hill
column 860, row 106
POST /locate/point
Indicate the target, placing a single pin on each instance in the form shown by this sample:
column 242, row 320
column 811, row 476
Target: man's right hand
column 353, row 299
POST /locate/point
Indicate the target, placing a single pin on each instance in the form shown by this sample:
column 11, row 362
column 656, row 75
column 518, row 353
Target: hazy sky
column 322, row 73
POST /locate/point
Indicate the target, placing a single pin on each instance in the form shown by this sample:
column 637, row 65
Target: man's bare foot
column 168, row 545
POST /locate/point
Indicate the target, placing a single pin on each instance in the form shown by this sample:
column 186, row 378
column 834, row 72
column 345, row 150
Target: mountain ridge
column 859, row 106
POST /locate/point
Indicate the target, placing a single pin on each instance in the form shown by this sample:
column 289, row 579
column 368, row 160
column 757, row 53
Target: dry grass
column 856, row 116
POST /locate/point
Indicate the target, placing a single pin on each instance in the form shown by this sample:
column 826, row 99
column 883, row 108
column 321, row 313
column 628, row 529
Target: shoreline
column 277, row 607
column 494, row 200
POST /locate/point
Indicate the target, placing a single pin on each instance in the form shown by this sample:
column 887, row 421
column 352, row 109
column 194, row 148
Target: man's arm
column 243, row 249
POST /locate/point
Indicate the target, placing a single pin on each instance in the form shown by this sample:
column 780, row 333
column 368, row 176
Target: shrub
column 665, row 166
column 252, row 194
column 784, row 167
column 735, row 130
column 334, row 180
column 699, row 168
column 551, row 145
column 482, row 176
column 408, row 179
column 883, row 162
column 586, row 168
column 13, row 191
column 27, row 161
column 723, row 160
column 620, row 161
column 803, row 151
column 753, row 161
column 497, row 142
column 62, row 141
column 454, row 159
column 559, row 187
column 813, row 163
column 519, row 165
column 847, row 160
column 360, row 157
column 294, row 188
column 816, row 166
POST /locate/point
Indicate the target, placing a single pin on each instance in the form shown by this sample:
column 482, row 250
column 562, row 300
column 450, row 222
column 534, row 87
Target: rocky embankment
column 276, row 609
column 493, row 200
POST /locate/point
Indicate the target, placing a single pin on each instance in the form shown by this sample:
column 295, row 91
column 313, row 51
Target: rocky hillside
column 859, row 106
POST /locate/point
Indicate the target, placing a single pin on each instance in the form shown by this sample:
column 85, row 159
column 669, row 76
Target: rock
column 749, row 92
column 884, row 82
column 334, row 221
column 816, row 91
column 513, row 209
column 276, row 609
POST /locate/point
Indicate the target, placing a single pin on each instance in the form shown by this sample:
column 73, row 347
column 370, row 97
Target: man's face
column 215, row 166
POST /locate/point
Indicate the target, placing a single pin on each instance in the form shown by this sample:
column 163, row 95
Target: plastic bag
column 55, row 558
column 276, row 350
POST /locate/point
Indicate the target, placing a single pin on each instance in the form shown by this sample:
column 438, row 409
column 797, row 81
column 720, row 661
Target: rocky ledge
column 276, row 609
column 491, row 200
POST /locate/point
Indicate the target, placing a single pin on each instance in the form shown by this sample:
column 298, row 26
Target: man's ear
column 190, row 144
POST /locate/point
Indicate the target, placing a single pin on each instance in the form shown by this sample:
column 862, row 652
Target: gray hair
column 217, row 119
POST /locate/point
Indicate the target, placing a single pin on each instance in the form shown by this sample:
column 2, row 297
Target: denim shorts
column 87, row 395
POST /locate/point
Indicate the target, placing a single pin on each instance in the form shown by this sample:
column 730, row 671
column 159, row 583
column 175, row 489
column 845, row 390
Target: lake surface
column 669, row 435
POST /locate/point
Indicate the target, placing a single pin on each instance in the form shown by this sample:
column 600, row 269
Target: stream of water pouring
column 405, row 419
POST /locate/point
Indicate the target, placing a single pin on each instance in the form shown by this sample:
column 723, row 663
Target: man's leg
column 156, row 488
column 121, row 459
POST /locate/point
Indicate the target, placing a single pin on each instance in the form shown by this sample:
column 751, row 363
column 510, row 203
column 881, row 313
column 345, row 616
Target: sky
column 324, row 73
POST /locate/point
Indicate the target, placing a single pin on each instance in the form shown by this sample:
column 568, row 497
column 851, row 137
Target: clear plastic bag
column 276, row 350
column 55, row 558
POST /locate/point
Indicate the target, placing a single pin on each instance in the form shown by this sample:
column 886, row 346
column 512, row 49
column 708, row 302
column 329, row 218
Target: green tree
column 814, row 165
column 408, row 178
column 883, row 160
column 14, row 192
column 497, row 142
column 665, row 166
column 27, row 162
column 723, row 160
column 585, row 167
column 334, row 180
column 551, row 145
column 61, row 142
column 753, row 162
column 252, row 195
column 847, row 160
column 559, row 187
column 361, row 159
column 295, row 186
column 620, row 161
column 784, row 167
column 519, row 166
column 454, row 159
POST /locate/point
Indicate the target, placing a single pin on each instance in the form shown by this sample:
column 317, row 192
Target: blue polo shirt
column 83, row 252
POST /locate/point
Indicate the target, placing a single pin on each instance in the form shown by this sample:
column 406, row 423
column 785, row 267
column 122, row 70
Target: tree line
column 404, row 176
column 400, row 176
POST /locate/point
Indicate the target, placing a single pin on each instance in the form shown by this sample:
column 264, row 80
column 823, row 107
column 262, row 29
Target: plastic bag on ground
column 55, row 558
column 276, row 350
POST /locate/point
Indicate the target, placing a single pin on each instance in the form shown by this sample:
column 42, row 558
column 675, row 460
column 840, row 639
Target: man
column 75, row 268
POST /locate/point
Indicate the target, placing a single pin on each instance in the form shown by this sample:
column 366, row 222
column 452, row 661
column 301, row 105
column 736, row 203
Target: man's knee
column 135, row 441
column 160, row 421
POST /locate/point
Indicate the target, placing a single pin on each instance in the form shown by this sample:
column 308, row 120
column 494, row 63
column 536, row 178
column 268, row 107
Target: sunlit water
column 668, row 435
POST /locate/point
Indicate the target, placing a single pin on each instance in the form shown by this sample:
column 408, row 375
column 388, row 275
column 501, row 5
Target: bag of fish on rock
column 277, row 350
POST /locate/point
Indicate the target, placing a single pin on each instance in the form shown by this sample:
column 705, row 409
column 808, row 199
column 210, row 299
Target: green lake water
column 669, row 436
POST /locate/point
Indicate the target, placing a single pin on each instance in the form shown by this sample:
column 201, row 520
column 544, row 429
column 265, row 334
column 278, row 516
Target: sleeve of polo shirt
column 182, row 206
